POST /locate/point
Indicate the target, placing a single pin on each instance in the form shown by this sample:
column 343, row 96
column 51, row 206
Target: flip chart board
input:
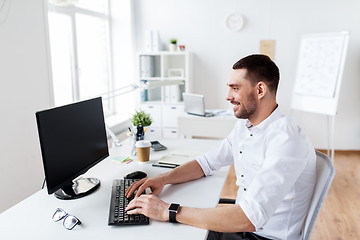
column 319, row 72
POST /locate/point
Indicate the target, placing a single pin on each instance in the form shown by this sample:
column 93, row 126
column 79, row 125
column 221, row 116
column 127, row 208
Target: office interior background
column 26, row 71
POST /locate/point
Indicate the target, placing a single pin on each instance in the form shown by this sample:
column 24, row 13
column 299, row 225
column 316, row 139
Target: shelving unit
column 164, row 104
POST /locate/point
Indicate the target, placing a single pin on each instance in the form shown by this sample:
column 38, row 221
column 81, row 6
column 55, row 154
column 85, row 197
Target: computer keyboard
column 118, row 204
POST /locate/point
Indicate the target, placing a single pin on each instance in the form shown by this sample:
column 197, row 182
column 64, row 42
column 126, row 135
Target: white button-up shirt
column 275, row 166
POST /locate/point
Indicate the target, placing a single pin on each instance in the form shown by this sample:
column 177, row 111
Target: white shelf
column 162, row 78
column 164, row 53
column 174, row 78
column 164, row 103
column 152, row 78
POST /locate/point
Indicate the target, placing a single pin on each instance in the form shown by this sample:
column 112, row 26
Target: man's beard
column 245, row 112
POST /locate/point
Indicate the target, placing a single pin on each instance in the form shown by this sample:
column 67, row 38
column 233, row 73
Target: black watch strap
column 173, row 209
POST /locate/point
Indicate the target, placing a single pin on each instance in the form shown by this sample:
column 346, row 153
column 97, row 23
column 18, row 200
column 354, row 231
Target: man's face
column 242, row 95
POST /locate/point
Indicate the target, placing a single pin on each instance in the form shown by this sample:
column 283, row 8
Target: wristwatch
column 173, row 209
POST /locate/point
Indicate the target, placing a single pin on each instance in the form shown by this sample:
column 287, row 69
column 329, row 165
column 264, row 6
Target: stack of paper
column 179, row 157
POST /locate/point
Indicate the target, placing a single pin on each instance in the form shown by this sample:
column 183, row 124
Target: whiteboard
column 319, row 72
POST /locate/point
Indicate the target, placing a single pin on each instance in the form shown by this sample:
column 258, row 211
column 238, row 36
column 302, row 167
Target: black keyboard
column 118, row 204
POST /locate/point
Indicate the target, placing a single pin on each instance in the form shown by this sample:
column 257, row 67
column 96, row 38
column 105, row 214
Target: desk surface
column 31, row 218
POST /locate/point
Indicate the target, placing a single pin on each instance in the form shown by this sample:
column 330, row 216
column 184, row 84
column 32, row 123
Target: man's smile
column 236, row 104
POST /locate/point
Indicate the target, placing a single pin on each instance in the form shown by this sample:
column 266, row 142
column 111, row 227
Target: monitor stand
column 78, row 188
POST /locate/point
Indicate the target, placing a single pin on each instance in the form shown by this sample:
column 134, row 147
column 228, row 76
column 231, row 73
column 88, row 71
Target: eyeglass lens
column 69, row 221
column 59, row 214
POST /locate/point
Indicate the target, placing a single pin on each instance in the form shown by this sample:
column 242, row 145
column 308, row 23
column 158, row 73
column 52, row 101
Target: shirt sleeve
column 287, row 154
column 219, row 156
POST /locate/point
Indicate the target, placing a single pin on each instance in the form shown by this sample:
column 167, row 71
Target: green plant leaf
column 140, row 117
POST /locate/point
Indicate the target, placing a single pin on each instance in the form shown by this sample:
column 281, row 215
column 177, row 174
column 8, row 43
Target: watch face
column 174, row 207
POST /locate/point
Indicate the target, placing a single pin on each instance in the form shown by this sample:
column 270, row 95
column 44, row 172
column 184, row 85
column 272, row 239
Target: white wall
column 24, row 77
column 200, row 25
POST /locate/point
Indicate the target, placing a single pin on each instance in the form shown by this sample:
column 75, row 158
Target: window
column 82, row 55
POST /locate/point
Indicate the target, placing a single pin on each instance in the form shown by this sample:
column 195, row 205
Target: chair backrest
column 325, row 172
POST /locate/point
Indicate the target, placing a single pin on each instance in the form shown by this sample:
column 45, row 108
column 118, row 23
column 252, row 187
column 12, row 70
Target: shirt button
column 240, row 151
column 251, row 135
column 244, row 189
column 242, row 175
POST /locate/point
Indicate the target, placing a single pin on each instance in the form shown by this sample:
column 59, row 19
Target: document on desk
column 179, row 157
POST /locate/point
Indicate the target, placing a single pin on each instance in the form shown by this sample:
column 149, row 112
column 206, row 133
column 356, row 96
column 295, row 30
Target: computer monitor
column 72, row 140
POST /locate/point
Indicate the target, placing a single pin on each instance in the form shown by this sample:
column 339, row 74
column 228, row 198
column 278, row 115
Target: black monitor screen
column 72, row 139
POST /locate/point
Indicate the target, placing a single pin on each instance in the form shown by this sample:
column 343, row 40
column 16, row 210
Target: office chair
column 325, row 172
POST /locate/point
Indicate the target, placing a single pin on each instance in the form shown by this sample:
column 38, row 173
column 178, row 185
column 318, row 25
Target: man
column 273, row 159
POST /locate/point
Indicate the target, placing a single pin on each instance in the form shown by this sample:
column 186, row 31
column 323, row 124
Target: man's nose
column 229, row 96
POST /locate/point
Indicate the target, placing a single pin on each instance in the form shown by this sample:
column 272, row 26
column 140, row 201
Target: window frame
column 71, row 11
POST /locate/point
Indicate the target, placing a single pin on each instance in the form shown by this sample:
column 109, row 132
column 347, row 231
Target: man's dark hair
column 260, row 68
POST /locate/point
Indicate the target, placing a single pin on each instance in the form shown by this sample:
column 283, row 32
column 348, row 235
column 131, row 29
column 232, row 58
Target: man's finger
column 133, row 185
column 132, row 188
column 140, row 190
column 134, row 211
column 135, row 203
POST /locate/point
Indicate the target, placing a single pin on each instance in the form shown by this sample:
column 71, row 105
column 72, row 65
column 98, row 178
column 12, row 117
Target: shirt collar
column 275, row 115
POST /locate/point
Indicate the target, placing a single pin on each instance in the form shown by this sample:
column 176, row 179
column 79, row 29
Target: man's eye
column 235, row 88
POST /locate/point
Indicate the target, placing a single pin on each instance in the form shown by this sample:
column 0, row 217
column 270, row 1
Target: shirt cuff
column 256, row 217
column 204, row 165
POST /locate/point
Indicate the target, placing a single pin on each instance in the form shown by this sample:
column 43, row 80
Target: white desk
column 31, row 218
column 218, row 126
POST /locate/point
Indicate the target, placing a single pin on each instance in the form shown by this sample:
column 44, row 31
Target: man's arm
column 222, row 219
column 184, row 173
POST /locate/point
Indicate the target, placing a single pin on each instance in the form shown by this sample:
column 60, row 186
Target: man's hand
column 149, row 205
column 184, row 173
column 155, row 184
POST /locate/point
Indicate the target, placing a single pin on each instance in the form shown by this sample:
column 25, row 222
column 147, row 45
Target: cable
column 43, row 184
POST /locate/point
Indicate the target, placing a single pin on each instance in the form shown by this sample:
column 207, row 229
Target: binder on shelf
column 167, row 94
column 152, row 41
column 147, row 66
column 144, row 93
column 173, row 94
column 148, row 41
column 155, row 41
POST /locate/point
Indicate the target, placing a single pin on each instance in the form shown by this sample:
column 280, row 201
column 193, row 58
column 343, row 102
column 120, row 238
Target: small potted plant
column 141, row 118
column 173, row 45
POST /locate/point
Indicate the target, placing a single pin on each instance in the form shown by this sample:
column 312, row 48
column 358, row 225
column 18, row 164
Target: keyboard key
column 118, row 204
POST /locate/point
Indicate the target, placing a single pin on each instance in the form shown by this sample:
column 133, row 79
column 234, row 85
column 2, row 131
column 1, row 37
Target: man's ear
column 261, row 89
